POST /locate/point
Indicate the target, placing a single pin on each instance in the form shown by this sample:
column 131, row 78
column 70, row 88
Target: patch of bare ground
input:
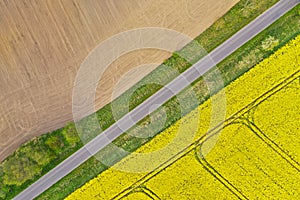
column 44, row 42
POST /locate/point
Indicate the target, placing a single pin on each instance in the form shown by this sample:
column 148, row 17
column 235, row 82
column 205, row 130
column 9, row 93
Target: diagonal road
column 158, row 99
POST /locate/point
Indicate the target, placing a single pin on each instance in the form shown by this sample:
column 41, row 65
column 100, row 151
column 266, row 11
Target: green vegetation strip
column 24, row 167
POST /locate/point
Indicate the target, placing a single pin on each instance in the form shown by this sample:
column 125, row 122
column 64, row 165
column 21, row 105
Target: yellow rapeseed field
column 255, row 156
column 279, row 118
column 137, row 195
column 254, row 169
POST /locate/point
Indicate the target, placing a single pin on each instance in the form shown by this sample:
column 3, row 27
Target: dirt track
column 43, row 44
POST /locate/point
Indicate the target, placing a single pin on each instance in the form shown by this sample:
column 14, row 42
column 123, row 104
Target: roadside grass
column 22, row 168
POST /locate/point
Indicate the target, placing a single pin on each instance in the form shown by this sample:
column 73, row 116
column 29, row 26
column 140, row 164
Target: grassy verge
column 23, row 167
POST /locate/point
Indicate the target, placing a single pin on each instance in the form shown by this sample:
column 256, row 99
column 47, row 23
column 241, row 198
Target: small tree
column 19, row 169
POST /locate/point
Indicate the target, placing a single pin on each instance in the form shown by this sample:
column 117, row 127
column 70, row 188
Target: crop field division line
column 208, row 167
column 281, row 152
column 143, row 189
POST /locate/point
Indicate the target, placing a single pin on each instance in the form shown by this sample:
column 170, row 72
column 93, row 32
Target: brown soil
column 44, row 42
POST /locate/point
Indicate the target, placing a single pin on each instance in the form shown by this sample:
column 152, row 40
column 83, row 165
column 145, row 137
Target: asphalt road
column 159, row 98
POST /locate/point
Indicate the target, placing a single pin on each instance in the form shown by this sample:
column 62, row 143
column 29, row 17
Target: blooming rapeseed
column 241, row 164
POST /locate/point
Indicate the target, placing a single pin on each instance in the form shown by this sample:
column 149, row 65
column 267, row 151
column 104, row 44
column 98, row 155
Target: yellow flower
column 240, row 164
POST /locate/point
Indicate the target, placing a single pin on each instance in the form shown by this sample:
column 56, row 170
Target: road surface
column 158, row 99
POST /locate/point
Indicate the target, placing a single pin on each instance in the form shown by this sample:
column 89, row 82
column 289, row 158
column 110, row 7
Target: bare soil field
column 44, row 42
